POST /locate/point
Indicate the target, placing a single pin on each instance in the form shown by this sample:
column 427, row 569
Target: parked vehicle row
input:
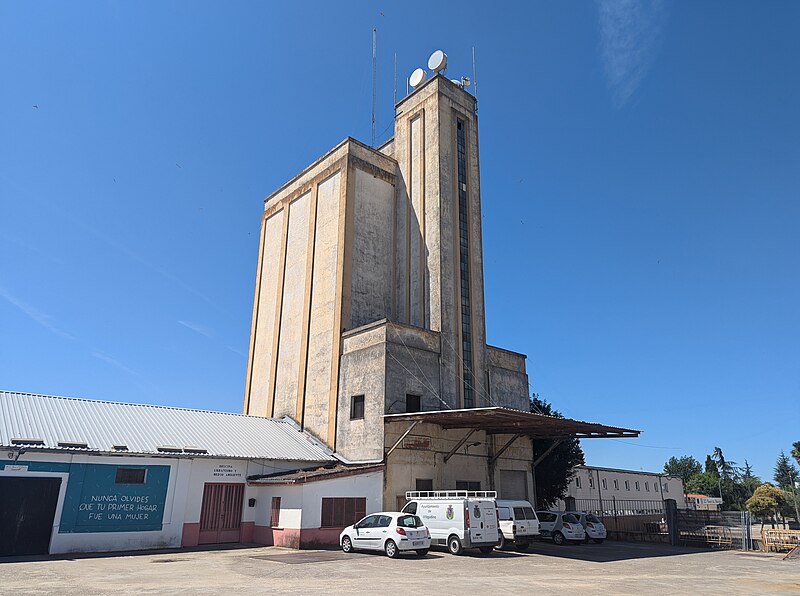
column 459, row 520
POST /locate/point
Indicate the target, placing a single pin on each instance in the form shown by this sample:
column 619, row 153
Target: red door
column 221, row 515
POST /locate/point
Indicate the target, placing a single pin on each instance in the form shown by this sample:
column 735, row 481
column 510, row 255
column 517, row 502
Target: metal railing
column 450, row 494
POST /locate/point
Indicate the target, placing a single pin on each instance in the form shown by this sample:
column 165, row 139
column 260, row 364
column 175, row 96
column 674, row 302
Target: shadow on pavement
column 609, row 551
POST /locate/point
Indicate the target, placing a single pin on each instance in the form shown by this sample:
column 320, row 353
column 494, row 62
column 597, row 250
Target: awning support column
column 502, row 449
column 403, row 436
column 459, row 444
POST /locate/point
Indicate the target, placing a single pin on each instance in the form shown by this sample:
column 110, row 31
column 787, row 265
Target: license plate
column 417, row 543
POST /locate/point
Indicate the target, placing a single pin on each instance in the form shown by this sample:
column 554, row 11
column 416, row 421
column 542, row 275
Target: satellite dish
column 417, row 77
column 438, row 61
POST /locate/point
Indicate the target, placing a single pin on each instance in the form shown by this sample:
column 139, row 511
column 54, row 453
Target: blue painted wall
column 94, row 502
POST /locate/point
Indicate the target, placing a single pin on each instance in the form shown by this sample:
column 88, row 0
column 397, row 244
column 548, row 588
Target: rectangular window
column 637, row 485
column 356, row 409
column 275, row 516
column 464, row 263
column 627, row 485
column 616, row 484
column 666, row 487
column 413, row 403
column 646, row 487
column 591, row 482
column 131, row 476
column 424, row 484
column 339, row 512
column 577, row 482
column 468, row 485
column 604, row 483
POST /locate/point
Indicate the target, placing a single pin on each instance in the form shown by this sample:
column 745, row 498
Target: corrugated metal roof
column 143, row 429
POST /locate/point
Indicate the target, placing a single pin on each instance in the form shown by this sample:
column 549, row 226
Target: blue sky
column 640, row 179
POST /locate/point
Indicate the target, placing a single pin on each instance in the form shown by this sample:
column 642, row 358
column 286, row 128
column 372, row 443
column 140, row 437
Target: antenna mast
column 374, row 59
column 474, row 74
column 395, row 80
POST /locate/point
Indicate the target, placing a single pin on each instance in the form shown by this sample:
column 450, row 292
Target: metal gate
column 27, row 509
column 715, row 529
column 221, row 515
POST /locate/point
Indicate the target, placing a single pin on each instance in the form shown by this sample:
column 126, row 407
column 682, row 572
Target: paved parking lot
column 612, row 567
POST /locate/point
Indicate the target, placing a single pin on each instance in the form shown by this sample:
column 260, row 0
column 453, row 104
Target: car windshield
column 593, row 518
column 569, row 518
column 409, row 521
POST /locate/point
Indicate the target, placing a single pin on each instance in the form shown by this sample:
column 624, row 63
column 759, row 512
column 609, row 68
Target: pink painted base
column 191, row 534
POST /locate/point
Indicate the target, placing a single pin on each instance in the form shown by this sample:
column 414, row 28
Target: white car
column 595, row 529
column 391, row 532
column 560, row 526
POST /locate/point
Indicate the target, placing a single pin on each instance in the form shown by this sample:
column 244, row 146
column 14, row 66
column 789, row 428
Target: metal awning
column 508, row 421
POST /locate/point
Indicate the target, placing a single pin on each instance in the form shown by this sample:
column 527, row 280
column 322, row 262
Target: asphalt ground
column 608, row 568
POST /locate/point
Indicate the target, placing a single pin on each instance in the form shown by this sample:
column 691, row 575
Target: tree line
column 738, row 487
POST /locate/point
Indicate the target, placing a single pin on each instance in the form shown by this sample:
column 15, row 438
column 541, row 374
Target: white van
column 518, row 523
column 457, row 519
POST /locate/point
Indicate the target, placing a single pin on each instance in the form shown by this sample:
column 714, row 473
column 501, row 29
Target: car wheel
column 522, row 546
column 558, row 538
column 454, row 545
column 486, row 549
column 347, row 544
column 502, row 544
column 598, row 540
column 391, row 549
column 422, row 552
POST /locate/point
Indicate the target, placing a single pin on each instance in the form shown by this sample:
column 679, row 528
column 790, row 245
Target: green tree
column 727, row 469
column 683, row 467
column 796, row 451
column 554, row 472
column 705, row 483
column 785, row 474
column 766, row 501
column 711, row 467
column 749, row 480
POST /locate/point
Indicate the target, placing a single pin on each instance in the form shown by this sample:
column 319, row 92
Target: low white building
column 79, row 476
column 611, row 485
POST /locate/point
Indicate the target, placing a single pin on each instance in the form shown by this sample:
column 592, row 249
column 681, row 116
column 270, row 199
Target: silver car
column 560, row 526
column 592, row 525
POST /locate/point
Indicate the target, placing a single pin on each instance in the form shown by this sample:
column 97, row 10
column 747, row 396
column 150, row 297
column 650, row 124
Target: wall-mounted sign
column 423, row 443
column 226, row 471
column 100, row 499
column 15, row 468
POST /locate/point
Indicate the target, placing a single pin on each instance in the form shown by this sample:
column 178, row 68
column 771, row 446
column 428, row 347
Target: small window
column 666, row 487
column 637, row 485
column 424, row 484
column 357, row 407
column 570, row 518
column 131, row 476
column 647, row 487
column 529, row 514
column 467, row 485
column 577, row 481
column 593, row 518
column 603, row 481
column 384, row 521
column 339, row 512
column 519, row 513
column 275, row 516
column 410, row 508
column 591, row 482
column 409, row 521
column 627, row 485
column 616, row 484
column 504, row 513
column 413, row 403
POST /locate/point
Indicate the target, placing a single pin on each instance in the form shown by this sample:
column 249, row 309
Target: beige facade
column 369, row 296
column 589, row 482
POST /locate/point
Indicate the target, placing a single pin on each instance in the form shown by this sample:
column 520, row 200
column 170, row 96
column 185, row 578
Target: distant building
column 703, row 502
column 612, row 485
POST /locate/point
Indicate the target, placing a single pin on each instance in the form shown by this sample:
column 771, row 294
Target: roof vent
column 73, row 444
column 198, row 450
column 119, row 447
column 169, row 449
column 27, row 441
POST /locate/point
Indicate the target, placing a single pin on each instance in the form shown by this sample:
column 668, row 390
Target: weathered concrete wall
column 265, row 315
column 321, row 357
column 373, row 253
column 508, row 381
column 291, row 321
column 421, row 456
